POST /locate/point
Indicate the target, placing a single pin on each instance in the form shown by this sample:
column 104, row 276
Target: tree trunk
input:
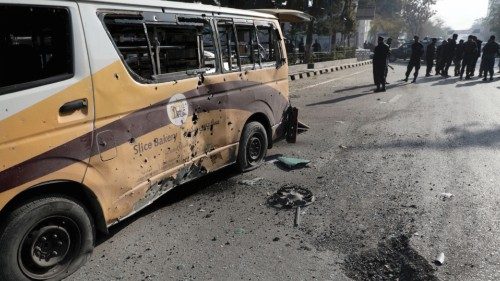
column 309, row 39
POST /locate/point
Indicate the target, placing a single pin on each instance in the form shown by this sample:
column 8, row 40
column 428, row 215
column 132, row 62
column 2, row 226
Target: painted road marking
column 395, row 98
column 331, row 80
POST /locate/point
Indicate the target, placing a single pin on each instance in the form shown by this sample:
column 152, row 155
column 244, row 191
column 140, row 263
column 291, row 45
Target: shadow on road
column 353, row 88
column 336, row 100
column 461, row 137
column 176, row 195
column 446, row 81
column 469, row 84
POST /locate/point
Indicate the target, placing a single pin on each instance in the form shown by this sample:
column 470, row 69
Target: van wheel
column 47, row 238
column 253, row 147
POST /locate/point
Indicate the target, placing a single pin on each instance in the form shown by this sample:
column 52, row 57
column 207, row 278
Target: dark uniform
column 459, row 56
column 417, row 50
column 389, row 43
column 490, row 50
column 449, row 55
column 479, row 44
column 380, row 56
column 470, row 54
column 440, row 57
column 430, row 55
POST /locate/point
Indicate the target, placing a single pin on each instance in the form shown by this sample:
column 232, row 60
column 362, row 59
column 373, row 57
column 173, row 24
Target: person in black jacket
column 478, row 54
column 430, row 55
column 470, row 54
column 417, row 50
column 380, row 56
column 450, row 54
column 389, row 43
column 490, row 50
column 439, row 57
column 459, row 56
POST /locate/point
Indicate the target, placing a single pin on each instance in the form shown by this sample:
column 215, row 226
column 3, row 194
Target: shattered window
column 228, row 46
column 163, row 51
column 35, row 46
column 269, row 45
column 248, row 46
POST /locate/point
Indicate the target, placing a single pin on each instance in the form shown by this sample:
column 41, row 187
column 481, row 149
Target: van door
column 46, row 96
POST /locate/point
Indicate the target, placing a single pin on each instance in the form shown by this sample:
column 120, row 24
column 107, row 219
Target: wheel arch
column 71, row 189
column 264, row 120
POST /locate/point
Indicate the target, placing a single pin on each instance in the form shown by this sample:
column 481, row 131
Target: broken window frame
column 255, row 62
column 71, row 48
column 276, row 44
column 152, row 19
column 228, row 22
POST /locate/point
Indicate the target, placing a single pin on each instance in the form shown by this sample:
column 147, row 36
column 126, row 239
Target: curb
column 309, row 73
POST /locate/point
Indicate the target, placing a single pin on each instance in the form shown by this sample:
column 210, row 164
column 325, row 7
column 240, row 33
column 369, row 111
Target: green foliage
column 416, row 13
column 494, row 19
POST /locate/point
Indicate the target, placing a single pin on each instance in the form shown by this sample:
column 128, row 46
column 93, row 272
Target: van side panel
column 38, row 143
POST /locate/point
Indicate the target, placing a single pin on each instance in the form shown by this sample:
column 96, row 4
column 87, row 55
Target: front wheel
column 253, row 147
column 47, row 238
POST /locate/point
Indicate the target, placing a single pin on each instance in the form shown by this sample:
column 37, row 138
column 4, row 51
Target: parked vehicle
column 107, row 105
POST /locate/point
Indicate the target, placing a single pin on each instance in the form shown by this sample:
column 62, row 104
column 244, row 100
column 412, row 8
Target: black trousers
column 430, row 64
column 469, row 64
column 458, row 65
column 474, row 65
column 411, row 65
column 447, row 66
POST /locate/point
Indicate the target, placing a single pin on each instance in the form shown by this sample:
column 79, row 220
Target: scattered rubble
column 290, row 196
column 445, row 196
column 251, row 182
column 293, row 163
column 439, row 259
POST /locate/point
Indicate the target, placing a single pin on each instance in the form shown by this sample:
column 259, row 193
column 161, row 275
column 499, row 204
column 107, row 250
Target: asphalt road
column 380, row 165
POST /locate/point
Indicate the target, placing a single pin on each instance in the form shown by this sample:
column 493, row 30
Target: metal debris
column 293, row 163
column 444, row 196
column 296, row 223
column 239, row 231
column 439, row 260
column 290, row 196
column 250, row 182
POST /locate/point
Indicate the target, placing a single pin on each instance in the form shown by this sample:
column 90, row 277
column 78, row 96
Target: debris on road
column 239, row 231
column 290, row 196
column 250, row 182
column 293, row 163
column 343, row 146
column 445, row 196
column 439, row 260
column 296, row 222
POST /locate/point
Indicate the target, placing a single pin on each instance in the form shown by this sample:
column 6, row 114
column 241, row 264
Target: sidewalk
column 300, row 71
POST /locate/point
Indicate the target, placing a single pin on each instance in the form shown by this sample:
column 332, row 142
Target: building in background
column 364, row 16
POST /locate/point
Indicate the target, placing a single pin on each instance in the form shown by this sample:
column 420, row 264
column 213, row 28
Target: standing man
column 459, row 56
column 389, row 43
column 439, row 57
column 417, row 50
column 316, row 46
column 430, row 55
column 450, row 54
column 490, row 50
column 470, row 54
column 380, row 56
column 479, row 44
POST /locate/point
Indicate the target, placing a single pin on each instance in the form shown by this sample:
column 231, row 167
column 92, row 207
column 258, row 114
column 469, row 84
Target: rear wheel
column 253, row 147
column 47, row 238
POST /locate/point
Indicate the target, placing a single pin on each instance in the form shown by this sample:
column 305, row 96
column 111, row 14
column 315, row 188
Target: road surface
column 399, row 177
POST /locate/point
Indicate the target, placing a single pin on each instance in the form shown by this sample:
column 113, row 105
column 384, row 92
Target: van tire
column 253, row 147
column 34, row 236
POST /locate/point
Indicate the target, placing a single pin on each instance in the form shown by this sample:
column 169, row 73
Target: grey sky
column 460, row 14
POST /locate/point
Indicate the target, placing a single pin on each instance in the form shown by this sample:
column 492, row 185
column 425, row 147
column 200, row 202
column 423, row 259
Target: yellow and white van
column 107, row 105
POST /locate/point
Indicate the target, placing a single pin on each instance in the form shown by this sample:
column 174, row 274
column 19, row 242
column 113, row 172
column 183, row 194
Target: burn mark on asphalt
column 393, row 259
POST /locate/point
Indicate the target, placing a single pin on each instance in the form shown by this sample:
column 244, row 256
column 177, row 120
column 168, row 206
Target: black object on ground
column 290, row 196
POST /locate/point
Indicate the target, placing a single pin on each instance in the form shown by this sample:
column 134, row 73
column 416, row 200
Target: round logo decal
column 178, row 109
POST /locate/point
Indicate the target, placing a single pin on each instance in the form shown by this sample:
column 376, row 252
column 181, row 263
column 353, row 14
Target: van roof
column 197, row 7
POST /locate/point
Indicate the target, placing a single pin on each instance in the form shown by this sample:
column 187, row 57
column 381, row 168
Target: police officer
column 430, row 55
column 478, row 54
column 440, row 56
column 450, row 54
column 380, row 56
column 459, row 56
column 389, row 43
column 490, row 50
column 470, row 54
column 417, row 50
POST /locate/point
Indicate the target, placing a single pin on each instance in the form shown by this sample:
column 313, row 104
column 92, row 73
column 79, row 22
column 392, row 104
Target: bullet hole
column 116, row 76
column 199, row 83
column 211, row 127
column 229, row 123
column 187, row 134
column 145, row 160
column 156, row 88
column 219, row 102
column 195, row 132
column 132, row 140
column 195, row 118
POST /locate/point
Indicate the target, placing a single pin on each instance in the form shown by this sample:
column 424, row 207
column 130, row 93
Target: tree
column 387, row 19
column 435, row 28
column 493, row 19
column 416, row 13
